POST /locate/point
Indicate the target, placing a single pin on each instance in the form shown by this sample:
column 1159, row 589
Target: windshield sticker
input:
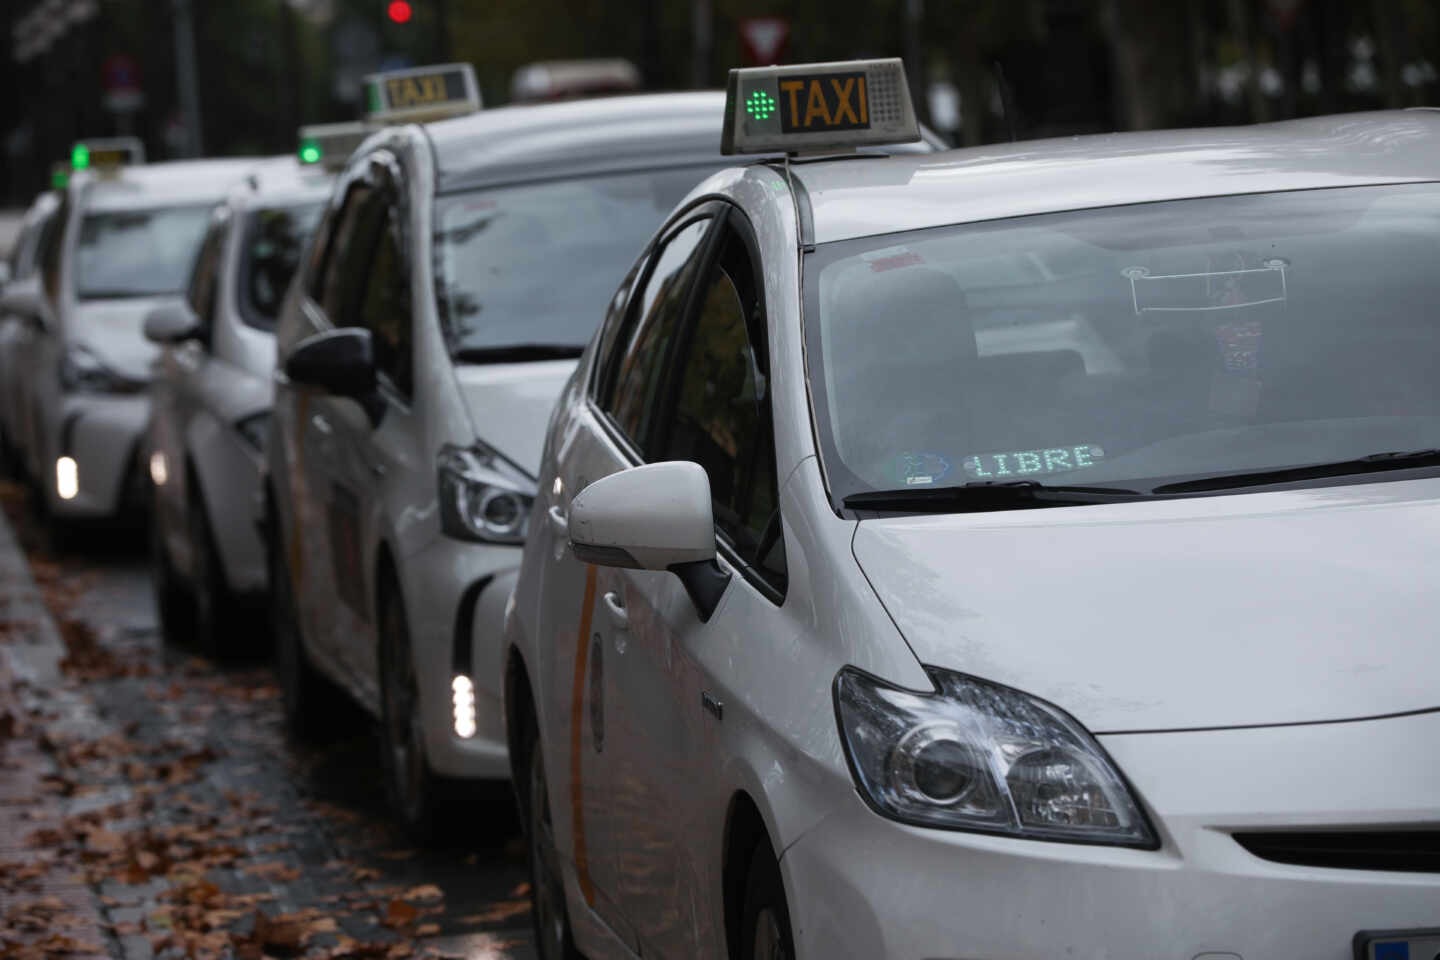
column 907, row 259
column 1023, row 463
column 1207, row 290
column 919, row 469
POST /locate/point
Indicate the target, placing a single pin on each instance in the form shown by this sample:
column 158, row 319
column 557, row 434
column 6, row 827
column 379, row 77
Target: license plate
column 1398, row 945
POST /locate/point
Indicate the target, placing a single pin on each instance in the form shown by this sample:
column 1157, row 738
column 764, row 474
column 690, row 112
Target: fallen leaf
column 399, row 914
column 427, row 930
column 427, row 891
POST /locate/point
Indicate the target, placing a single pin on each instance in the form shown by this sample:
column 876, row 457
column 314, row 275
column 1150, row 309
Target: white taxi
column 452, row 282
column 210, row 398
column 1019, row 552
column 22, row 286
column 122, row 243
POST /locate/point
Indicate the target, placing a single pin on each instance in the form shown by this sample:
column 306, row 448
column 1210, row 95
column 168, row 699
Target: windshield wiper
column 518, row 353
column 1374, row 463
column 987, row 495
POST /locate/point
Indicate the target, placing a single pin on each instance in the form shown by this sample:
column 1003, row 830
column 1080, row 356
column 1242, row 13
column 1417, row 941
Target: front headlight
column 82, row 371
column 482, row 495
column 978, row 756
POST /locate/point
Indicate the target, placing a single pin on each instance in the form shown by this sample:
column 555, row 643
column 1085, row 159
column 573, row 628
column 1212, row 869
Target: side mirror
column 171, row 323
column 653, row 517
column 341, row 362
column 26, row 301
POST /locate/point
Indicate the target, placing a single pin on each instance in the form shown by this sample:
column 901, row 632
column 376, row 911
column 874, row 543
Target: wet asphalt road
column 206, row 814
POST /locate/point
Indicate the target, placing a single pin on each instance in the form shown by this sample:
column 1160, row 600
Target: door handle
column 559, row 523
column 616, row 610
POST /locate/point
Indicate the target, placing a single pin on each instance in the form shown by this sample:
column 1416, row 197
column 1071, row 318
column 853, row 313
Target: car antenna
column 1005, row 106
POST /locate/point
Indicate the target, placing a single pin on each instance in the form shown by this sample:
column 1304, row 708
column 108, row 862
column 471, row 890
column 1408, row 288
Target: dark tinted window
column 52, row 243
column 655, row 316
column 722, row 410
column 205, row 278
column 385, row 311
column 274, row 241
column 342, row 282
column 534, row 264
column 137, row 253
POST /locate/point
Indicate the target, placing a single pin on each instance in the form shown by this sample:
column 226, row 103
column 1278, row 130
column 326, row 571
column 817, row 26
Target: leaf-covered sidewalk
column 150, row 805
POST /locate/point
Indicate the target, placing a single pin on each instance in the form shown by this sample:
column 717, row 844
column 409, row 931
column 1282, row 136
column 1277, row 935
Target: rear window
column 138, row 253
column 275, row 238
column 535, row 265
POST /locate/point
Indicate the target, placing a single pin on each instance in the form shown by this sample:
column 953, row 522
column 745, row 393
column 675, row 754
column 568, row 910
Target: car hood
column 510, row 404
column 115, row 331
column 1254, row 609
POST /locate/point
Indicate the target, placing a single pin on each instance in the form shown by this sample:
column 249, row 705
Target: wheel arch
column 745, row 827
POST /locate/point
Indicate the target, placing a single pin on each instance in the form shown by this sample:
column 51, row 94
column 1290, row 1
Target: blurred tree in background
column 983, row 70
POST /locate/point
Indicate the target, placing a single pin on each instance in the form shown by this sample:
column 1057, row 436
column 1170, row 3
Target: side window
column 654, row 318
column 386, row 309
column 52, row 244
column 319, row 253
column 721, row 409
column 614, row 323
column 204, row 278
column 342, row 281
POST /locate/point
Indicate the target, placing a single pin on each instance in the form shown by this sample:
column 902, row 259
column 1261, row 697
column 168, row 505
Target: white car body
column 99, row 430
column 15, row 329
column 353, row 499
column 1255, row 664
column 211, row 396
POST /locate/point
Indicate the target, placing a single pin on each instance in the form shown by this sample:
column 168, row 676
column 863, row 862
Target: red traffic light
column 399, row 11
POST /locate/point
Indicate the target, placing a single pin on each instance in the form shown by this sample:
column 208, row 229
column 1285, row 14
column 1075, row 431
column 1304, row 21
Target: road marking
column 577, row 703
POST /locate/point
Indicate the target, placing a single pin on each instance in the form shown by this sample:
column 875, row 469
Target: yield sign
column 764, row 38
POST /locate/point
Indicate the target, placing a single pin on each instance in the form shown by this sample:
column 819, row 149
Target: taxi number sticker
column 1022, row 463
column 832, row 101
column 424, row 90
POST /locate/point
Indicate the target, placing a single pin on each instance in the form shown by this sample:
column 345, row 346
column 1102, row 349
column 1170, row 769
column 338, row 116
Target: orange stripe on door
column 577, row 705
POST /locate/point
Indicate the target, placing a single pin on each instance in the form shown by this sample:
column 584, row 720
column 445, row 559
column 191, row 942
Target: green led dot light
column 760, row 105
column 310, row 152
column 80, row 156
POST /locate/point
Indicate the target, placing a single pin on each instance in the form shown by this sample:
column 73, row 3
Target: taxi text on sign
column 835, row 101
column 423, row 91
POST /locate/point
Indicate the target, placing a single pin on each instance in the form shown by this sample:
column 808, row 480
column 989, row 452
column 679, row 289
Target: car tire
column 305, row 695
column 172, row 600
column 551, row 916
column 765, row 921
column 213, row 606
column 415, row 792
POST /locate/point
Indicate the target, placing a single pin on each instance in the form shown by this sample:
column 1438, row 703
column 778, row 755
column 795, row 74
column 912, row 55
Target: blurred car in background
column 210, row 399
column 550, row 80
column 23, row 283
column 457, row 273
column 123, row 242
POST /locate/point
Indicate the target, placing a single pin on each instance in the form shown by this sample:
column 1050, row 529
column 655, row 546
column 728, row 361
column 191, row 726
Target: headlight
column 483, row 496
column 978, row 756
column 84, row 372
column 254, row 429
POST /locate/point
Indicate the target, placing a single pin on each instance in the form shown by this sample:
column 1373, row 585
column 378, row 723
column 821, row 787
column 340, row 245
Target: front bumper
column 456, row 594
column 101, row 433
column 862, row 886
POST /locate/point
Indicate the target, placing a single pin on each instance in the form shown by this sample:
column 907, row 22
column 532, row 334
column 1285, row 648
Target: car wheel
column 412, row 787
column 765, row 922
column 553, row 939
column 210, row 596
column 172, row 600
column 304, row 694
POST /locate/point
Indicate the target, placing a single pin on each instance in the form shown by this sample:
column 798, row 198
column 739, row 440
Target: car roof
column 280, row 181
column 858, row 197
column 546, row 141
column 173, row 183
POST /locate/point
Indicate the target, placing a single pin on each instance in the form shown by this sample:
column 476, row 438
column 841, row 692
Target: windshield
column 138, row 253
column 536, row 264
column 274, row 240
column 1130, row 346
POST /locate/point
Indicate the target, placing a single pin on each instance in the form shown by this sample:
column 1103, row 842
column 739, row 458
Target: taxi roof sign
column 422, row 94
column 107, row 153
column 329, row 145
column 818, row 107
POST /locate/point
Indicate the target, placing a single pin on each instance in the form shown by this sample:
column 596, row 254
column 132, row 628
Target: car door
column 175, row 396
column 600, row 438
column 325, row 507
column 379, row 446
column 713, row 408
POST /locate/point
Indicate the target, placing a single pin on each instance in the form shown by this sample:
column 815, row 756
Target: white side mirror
column 652, row 517
column 171, row 323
